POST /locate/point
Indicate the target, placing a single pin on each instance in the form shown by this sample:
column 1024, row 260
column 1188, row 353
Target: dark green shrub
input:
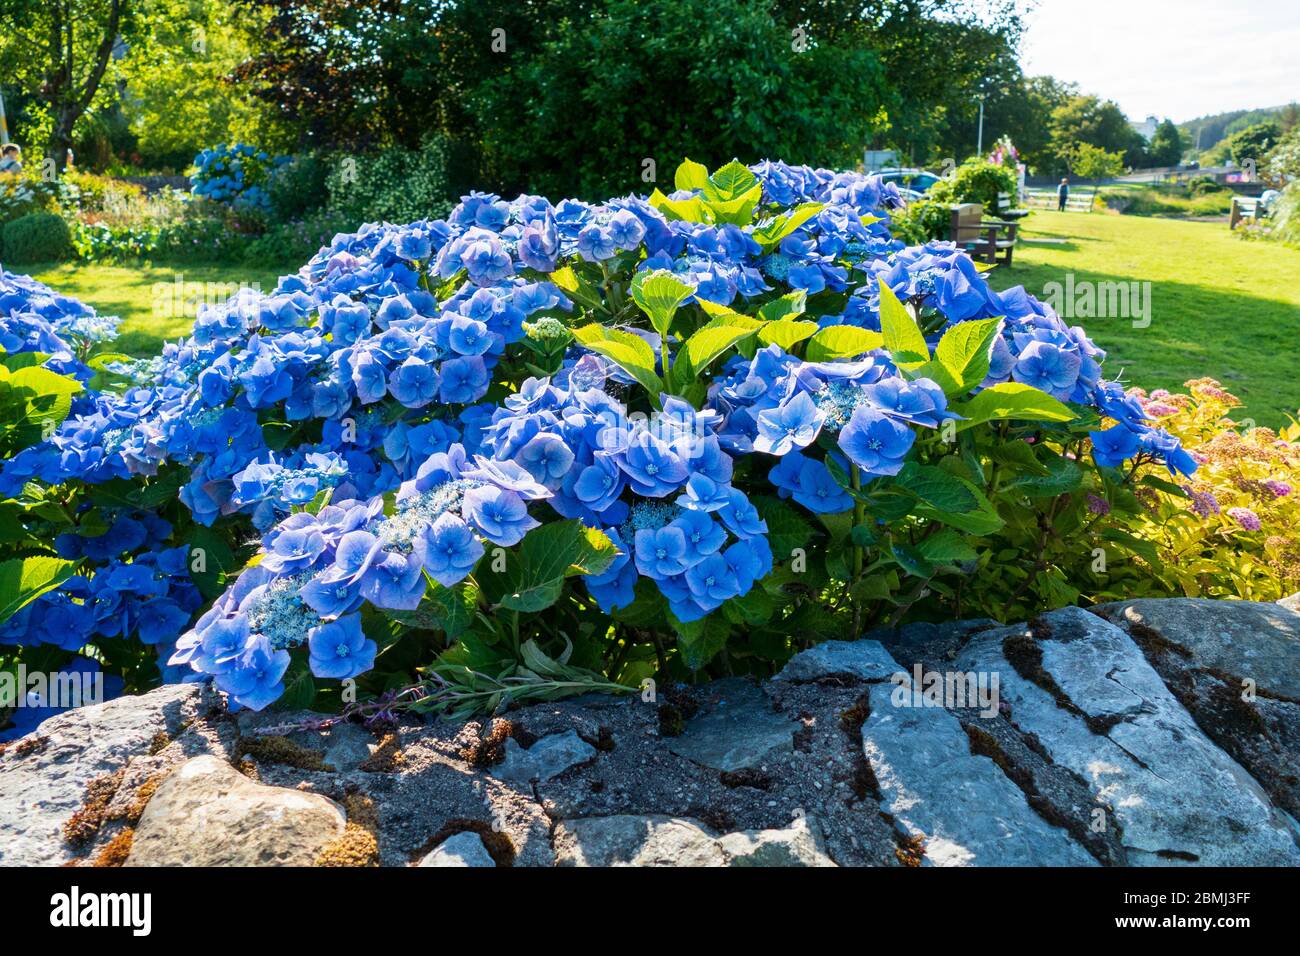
column 976, row 180
column 921, row 221
column 395, row 184
column 36, row 237
column 296, row 241
column 299, row 187
column 200, row 238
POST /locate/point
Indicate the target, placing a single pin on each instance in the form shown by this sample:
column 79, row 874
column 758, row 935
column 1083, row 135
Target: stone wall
column 1134, row 734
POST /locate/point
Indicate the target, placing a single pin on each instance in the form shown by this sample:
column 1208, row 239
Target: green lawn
column 155, row 302
column 1220, row 306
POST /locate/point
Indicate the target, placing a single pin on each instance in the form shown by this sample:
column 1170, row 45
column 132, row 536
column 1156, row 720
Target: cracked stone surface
column 1244, row 639
column 965, row 809
column 1175, row 795
column 865, row 660
column 738, row 730
column 1233, row 665
column 817, row 767
column 547, row 758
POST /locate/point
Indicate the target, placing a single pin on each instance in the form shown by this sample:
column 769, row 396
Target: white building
column 1147, row 127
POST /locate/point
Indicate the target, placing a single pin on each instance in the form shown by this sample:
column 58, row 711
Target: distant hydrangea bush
column 237, row 175
column 538, row 448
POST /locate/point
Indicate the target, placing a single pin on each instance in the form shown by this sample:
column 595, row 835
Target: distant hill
column 1206, row 131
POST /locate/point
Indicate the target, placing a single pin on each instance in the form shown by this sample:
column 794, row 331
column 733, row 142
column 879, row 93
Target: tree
column 377, row 72
column 1166, row 146
column 1282, row 165
column 1253, row 143
column 1023, row 111
column 1289, row 117
column 177, row 95
column 368, row 73
column 1096, row 122
column 656, row 80
column 60, row 50
column 1091, row 162
column 939, row 58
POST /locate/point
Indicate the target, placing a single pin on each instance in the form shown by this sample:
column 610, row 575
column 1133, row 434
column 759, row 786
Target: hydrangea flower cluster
column 317, row 570
column 135, row 585
column 35, row 318
column 659, row 487
column 776, row 404
column 237, row 175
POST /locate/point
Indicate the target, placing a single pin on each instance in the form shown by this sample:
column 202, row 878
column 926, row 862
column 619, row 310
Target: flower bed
column 536, row 449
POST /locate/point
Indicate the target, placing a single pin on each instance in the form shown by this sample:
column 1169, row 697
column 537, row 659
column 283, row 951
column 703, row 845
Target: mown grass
column 155, row 302
column 1220, row 307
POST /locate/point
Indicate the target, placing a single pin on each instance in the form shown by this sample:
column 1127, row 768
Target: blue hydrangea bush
column 236, row 175
column 539, row 448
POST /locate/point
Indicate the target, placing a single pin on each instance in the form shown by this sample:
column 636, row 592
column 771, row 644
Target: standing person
column 11, row 159
column 1062, row 194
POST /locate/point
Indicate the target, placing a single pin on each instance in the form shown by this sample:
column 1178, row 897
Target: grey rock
column 462, row 849
column 1291, row 602
column 1233, row 665
column 964, row 807
column 546, row 758
column 629, row 840
column 739, row 731
column 347, row 746
column 1242, row 638
column 865, row 660
column 41, row 788
column 209, row 814
column 1173, row 791
column 799, row 844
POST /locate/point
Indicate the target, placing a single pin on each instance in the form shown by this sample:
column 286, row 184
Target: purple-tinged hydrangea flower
column 339, row 649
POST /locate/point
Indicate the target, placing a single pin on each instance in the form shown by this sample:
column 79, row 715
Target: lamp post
column 979, row 140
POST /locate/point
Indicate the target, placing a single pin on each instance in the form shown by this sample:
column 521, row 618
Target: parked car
column 912, row 183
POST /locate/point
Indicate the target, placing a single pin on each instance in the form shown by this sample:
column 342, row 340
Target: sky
column 1170, row 58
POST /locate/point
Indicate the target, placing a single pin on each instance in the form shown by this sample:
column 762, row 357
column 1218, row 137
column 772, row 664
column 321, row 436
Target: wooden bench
column 1244, row 207
column 1006, row 211
column 983, row 238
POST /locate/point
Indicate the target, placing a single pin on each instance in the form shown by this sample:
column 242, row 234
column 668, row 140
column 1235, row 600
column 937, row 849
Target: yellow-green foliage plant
column 1237, row 533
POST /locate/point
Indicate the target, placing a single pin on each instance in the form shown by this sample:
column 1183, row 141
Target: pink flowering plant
column 1232, row 532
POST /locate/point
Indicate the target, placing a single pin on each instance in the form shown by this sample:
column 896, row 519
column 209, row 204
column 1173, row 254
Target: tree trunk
column 69, row 102
column 61, row 136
